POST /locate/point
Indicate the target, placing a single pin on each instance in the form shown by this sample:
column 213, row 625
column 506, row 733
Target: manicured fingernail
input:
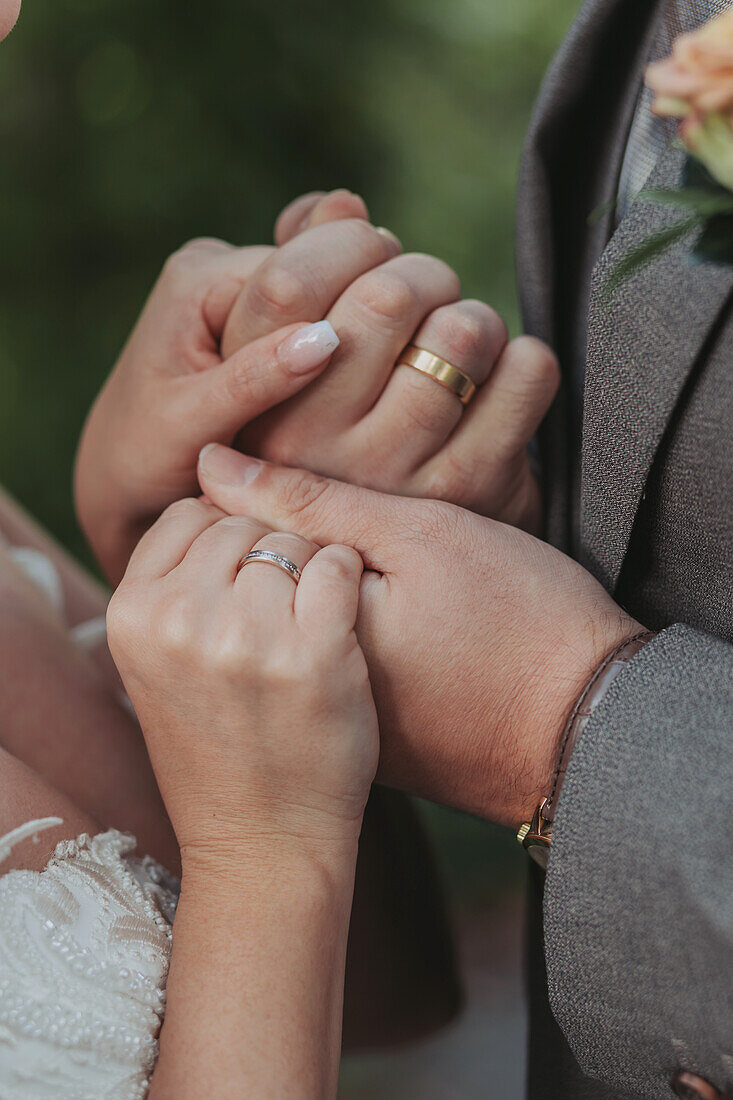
column 227, row 466
column 309, row 347
column 389, row 236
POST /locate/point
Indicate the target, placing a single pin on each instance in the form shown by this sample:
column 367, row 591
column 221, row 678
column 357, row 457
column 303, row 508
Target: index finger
column 165, row 544
column 316, row 208
column 294, row 217
column 302, row 280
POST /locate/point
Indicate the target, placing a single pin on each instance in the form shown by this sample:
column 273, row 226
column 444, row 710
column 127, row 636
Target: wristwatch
column 536, row 835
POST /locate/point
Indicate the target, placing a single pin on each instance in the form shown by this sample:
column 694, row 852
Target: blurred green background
column 128, row 126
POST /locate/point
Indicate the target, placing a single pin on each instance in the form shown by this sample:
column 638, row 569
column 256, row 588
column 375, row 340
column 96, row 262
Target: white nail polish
column 309, row 347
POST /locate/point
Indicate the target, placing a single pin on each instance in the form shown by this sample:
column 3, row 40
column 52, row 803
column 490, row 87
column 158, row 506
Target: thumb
column 316, row 507
column 259, row 376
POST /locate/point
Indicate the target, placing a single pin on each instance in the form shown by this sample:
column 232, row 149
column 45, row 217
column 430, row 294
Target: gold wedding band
column 269, row 558
column 444, row 373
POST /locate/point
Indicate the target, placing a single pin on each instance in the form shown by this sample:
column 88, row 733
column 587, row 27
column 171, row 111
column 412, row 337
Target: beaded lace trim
column 84, row 951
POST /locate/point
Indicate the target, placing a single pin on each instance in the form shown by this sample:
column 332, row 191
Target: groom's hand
column 172, row 390
column 478, row 636
column 191, row 372
column 390, row 428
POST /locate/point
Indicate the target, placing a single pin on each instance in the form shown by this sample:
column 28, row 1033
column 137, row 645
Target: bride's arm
column 59, row 718
column 255, row 991
column 25, row 796
column 254, row 699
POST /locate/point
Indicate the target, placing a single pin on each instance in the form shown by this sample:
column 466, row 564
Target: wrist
column 565, row 674
column 295, row 887
column 105, row 509
column 536, row 835
column 111, row 532
column 254, row 860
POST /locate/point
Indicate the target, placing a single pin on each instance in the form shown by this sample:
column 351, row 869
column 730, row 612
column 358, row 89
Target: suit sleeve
column 638, row 908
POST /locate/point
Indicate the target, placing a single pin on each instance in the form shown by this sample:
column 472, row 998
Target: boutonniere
column 695, row 85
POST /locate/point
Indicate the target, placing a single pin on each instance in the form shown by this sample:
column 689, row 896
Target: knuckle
column 348, row 556
column 175, row 632
column 247, row 526
column 288, row 544
column 483, row 327
column 467, row 331
column 233, row 651
column 279, row 292
column 123, row 618
column 190, row 255
column 457, row 479
column 364, row 236
column 197, row 245
column 460, row 331
column 303, row 492
column 276, row 666
column 337, row 567
column 296, row 544
column 285, row 667
column 186, row 508
column 342, row 200
column 437, row 271
column 539, row 362
column 283, row 445
column 460, row 337
column 452, row 480
column 387, row 297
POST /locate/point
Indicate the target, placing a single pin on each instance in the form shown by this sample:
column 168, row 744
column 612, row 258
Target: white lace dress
column 84, row 950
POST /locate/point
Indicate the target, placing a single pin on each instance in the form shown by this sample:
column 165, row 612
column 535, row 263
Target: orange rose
column 698, row 75
column 695, row 84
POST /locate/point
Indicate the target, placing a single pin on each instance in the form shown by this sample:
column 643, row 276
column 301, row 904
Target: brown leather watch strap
column 591, row 696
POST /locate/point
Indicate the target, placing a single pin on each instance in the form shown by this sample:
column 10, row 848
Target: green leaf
column 643, row 254
column 601, row 211
column 705, row 202
column 716, row 243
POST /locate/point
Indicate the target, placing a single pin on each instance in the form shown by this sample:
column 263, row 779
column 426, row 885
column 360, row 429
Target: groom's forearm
column 255, row 991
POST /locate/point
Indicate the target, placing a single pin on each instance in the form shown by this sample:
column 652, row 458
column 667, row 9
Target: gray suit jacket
column 631, row 936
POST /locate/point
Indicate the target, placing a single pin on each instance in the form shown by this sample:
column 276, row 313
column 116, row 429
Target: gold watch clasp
column 535, row 836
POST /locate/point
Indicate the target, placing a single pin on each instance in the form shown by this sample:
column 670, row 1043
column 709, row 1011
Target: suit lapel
column 571, row 164
column 642, row 346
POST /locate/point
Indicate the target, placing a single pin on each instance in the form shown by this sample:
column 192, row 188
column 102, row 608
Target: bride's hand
column 255, row 702
column 252, row 691
column 190, row 373
column 171, row 391
column 394, row 429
